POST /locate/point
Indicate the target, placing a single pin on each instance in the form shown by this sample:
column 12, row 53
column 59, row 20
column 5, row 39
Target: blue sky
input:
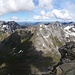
column 37, row 10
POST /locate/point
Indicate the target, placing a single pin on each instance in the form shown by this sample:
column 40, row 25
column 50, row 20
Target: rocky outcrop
column 68, row 51
column 67, row 60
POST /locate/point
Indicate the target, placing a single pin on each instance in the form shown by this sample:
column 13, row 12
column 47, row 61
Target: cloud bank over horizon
column 39, row 9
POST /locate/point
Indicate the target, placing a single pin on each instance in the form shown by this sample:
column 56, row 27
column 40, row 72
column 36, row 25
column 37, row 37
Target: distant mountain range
column 37, row 23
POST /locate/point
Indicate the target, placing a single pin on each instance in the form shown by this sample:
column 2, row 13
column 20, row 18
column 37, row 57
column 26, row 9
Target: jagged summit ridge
column 9, row 26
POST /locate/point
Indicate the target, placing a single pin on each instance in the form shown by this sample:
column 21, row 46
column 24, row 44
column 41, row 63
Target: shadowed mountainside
column 22, row 58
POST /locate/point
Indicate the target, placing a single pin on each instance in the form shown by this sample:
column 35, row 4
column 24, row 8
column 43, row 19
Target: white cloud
column 37, row 17
column 70, row 6
column 14, row 18
column 15, row 5
column 47, row 14
column 43, row 12
column 62, row 14
column 43, row 15
column 46, row 4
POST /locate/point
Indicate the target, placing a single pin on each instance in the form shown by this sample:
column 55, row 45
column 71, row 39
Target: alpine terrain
column 44, row 49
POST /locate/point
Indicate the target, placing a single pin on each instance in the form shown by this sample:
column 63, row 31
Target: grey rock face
column 68, row 50
column 68, row 58
column 9, row 26
column 47, row 40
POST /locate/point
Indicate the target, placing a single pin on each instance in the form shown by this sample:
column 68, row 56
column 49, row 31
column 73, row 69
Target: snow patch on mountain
column 70, row 32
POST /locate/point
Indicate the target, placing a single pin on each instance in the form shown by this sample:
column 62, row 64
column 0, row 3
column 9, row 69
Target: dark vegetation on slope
column 20, row 57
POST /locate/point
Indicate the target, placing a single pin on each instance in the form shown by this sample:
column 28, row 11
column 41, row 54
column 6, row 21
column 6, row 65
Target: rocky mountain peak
column 9, row 26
